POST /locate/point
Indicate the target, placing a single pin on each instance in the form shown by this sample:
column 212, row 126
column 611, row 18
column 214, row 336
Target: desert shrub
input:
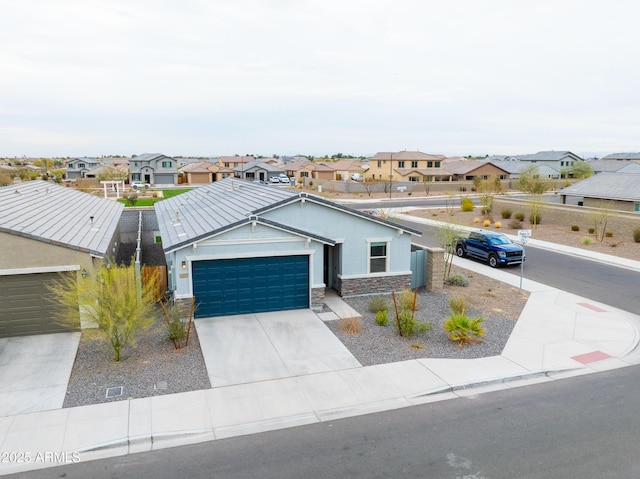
column 506, row 213
column 515, row 224
column 497, row 224
column 351, row 325
column 476, row 220
column 609, row 234
column 636, row 235
column 519, row 216
column 575, row 228
column 592, row 230
column 177, row 329
column 378, row 303
column 486, row 223
column 466, row 204
column 458, row 305
column 586, row 240
column 464, row 330
column 535, row 218
column 131, row 198
column 458, row 280
column 406, row 300
column 486, row 210
column 410, row 326
column 382, row 318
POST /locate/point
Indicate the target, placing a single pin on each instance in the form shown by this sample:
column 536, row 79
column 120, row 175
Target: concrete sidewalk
column 558, row 335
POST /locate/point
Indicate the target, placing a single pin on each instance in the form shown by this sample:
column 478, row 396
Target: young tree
column 530, row 182
column 448, row 235
column 112, row 299
column 579, row 169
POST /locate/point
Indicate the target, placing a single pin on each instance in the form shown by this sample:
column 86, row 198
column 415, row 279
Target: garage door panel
column 28, row 307
column 247, row 285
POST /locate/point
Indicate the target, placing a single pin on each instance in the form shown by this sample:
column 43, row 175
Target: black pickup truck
column 494, row 248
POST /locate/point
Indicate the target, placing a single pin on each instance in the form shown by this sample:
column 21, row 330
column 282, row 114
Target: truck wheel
column 460, row 251
column 493, row 261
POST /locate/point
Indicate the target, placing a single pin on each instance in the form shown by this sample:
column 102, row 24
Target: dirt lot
column 616, row 245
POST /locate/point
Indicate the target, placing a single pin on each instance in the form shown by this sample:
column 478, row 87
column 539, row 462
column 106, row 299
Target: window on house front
column 636, row 207
column 166, row 164
column 437, row 164
column 379, row 163
column 429, row 164
column 414, row 178
column 81, row 165
column 401, row 164
column 378, row 257
column 414, row 164
column 304, row 174
column 226, row 165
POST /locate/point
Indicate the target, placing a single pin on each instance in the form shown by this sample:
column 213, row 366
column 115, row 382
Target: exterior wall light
column 184, row 265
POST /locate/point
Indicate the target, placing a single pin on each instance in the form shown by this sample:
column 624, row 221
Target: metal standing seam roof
column 59, row 215
column 230, row 202
column 608, row 186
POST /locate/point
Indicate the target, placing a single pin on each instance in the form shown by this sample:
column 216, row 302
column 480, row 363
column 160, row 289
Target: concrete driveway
column 257, row 347
column 35, row 371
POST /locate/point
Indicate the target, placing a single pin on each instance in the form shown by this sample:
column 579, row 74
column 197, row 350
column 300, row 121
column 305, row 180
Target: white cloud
column 275, row 76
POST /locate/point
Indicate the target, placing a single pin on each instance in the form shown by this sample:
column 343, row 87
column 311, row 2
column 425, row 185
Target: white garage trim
column 41, row 269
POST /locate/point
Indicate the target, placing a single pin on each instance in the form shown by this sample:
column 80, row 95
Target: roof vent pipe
column 91, row 218
column 177, row 216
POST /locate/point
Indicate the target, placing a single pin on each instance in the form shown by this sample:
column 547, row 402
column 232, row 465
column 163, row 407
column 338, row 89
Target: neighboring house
column 106, row 172
column 470, row 169
column 623, row 156
column 257, row 170
column 517, row 168
column 234, row 161
column 197, row 173
column 80, row 167
column 621, row 192
column 240, row 247
column 342, row 169
column 303, row 170
column 619, row 166
column 558, row 160
column 45, row 230
column 406, row 166
column 154, row 169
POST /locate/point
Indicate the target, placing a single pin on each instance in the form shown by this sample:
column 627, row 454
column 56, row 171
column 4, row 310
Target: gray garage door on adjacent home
column 250, row 285
column 24, row 305
column 164, row 178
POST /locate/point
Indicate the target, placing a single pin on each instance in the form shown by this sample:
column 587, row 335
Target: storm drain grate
column 114, row 392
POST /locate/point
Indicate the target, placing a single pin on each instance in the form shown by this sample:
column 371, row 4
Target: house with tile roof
column 240, row 247
column 406, row 166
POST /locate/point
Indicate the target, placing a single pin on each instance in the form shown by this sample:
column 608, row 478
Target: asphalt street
column 572, row 429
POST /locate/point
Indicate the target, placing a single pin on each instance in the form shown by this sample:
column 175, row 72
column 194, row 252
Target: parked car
column 494, row 248
column 139, row 184
column 284, row 179
column 357, row 177
column 274, row 179
column 376, row 213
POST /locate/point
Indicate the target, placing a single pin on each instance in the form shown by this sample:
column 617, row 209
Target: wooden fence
column 148, row 272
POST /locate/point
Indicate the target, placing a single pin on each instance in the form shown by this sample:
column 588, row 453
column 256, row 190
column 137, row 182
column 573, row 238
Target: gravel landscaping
column 153, row 368
column 383, row 344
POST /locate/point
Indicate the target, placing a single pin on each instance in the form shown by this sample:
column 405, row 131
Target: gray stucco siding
column 244, row 242
column 355, row 234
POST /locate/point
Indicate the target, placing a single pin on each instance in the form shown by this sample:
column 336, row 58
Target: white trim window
column 378, row 256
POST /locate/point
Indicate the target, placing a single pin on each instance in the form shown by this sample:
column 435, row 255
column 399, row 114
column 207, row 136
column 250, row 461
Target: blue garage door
column 250, row 285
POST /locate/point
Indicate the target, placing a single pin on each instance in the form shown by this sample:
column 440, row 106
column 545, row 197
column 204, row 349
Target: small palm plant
column 464, row 330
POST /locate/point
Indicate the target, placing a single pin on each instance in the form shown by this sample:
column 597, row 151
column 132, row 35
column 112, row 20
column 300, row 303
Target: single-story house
column 618, row 166
column 517, row 168
column 197, row 173
column 632, row 156
column 45, row 230
column 470, row 169
column 257, row 170
column 241, row 247
column 620, row 192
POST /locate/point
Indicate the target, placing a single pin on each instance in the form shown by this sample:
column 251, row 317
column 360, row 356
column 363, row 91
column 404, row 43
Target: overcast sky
column 225, row 77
